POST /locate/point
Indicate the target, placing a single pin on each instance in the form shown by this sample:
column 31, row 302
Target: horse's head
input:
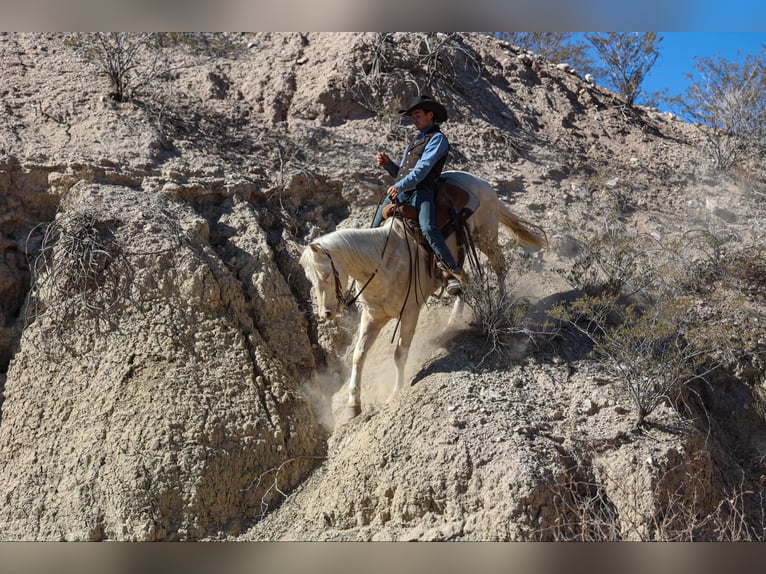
column 324, row 278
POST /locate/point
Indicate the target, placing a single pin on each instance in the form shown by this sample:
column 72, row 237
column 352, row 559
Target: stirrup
column 454, row 287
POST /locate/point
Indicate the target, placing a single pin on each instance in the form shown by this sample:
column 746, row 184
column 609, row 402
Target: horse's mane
column 364, row 246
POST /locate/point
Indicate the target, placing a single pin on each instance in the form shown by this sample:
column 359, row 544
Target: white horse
column 393, row 270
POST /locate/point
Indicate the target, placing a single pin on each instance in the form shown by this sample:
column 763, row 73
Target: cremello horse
column 393, row 271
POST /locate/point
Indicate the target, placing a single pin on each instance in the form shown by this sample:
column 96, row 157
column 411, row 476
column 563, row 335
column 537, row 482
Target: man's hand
column 383, row 159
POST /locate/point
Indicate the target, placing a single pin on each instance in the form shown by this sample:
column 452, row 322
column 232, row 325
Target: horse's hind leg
column 369, row 328
column 496, row 258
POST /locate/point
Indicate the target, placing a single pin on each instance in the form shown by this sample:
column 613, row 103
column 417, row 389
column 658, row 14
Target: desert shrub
column 500, row 312
column 643, row 305
column 443, row 57
column 613, row 261
column 654, row 352
column 389, row 70
column 82, row 273
column 135, row 62
column 81, row 263
column 619, row 262
column 627, row 58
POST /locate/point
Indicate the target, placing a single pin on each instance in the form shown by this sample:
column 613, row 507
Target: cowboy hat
column 428, row 104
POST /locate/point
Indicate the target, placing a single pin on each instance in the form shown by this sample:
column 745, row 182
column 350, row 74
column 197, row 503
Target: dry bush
column 130, row 60
column 267, row 483
column 82, row 273
column 500, row 312
column 680, row 508
column 613, row 261
column 626, row 58
column 655, row 352
column 389, row 70
column 81, row 263
column 727, row 102
column 618, row 262
column 582, row 511
column 643, row 308
column 443, row 57
column 135, row 62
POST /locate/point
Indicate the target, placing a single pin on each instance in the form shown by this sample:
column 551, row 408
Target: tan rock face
column 24, row 202
column 150, row 415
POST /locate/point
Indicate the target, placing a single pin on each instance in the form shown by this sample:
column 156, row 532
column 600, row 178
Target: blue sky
column 678, row 53
column 678, row 50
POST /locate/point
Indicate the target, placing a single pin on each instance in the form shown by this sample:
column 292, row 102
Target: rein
column 412, row 265
column 343, row 299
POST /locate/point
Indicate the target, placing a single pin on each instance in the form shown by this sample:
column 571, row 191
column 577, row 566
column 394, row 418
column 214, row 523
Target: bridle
column 344, row 299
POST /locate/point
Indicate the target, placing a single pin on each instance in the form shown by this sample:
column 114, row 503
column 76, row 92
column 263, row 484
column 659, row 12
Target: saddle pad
column 449, row 197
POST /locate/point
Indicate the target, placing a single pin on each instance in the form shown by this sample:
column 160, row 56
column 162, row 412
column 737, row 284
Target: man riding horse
column 421, row 164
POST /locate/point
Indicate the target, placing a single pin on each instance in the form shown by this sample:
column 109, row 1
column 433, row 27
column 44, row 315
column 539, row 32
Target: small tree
column 627, row 59
column 727, row 102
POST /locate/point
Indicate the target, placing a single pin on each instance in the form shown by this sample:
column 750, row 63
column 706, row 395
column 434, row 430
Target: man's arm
column 386, row 163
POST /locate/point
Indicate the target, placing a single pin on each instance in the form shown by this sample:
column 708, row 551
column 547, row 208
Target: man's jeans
column 423, row 200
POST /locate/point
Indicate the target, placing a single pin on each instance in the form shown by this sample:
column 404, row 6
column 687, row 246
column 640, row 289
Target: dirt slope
column 202, row 399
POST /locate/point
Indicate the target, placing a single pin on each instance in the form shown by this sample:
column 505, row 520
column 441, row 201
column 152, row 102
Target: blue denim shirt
column 436, row 148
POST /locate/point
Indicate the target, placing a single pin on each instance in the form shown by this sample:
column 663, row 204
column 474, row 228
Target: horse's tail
column 528, row 234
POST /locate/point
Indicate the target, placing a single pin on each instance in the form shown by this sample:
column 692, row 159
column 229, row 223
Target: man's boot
column 453, row 279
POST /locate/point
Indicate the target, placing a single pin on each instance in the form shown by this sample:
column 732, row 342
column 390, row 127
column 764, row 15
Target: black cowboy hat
column 428, row 104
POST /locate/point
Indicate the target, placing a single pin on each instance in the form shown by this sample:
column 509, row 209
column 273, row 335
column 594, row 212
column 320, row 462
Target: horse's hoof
column 353, row 411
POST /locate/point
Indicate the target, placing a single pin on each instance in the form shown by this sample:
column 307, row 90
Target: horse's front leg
column 457, row 311
column 402, row 351
column 369, row 328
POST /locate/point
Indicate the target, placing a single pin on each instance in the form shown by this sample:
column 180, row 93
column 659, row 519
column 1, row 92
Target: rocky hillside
column 164, row 377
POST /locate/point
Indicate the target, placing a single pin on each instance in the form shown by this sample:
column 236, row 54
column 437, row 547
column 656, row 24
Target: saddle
column 454, row 205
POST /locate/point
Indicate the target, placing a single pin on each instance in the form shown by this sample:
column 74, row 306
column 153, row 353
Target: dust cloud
column 328, row 390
